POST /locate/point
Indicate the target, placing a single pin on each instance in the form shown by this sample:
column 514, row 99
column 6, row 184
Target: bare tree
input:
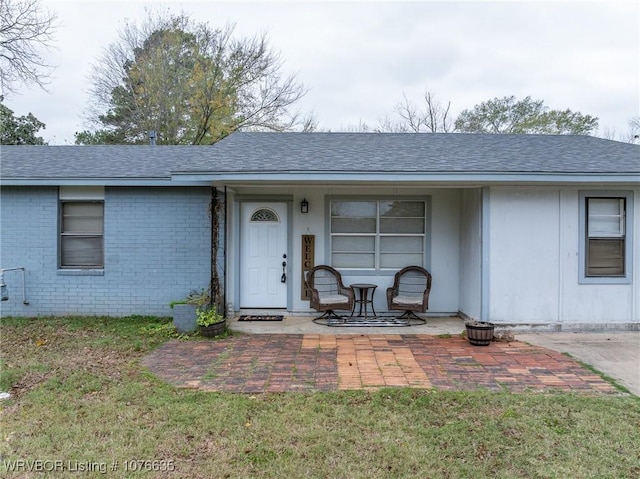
column 25, row 28
column 633, row 136
column 433, row 118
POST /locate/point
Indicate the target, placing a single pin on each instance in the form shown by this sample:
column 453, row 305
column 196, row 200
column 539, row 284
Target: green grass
column 81, row 397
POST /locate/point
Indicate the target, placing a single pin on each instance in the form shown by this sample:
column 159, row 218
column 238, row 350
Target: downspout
column 214, row 284
column 224, row 254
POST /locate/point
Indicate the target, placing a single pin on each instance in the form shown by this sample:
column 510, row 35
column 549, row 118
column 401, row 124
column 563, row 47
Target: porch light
column 304, row 206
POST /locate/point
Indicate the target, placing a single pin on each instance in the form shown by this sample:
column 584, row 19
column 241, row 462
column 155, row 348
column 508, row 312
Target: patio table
column 362, row 298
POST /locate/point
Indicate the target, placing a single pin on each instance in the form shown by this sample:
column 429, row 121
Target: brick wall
column 156, row 248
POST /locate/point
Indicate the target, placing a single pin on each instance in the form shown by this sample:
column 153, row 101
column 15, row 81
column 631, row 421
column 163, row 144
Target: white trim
column 412, row 177
column 81, row 193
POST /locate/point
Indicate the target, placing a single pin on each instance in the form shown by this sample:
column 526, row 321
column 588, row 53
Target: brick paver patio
column 318, row 362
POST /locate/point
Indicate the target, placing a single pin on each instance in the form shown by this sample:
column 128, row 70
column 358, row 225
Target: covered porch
column 438, row 228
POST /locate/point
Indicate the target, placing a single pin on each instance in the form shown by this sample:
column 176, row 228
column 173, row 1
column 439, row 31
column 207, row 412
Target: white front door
column 263, row 249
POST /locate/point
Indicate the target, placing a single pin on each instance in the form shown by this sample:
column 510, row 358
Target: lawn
column 82, row 406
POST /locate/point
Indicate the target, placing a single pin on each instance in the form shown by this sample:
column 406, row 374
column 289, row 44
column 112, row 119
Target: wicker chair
column 410, row 292
column 327, row 291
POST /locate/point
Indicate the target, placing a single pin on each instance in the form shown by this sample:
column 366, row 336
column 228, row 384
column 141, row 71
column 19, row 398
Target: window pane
column 399, row 260
column 82, row 209
column 354, row 243
column 604, row 206
column 353, row 260
column 353, row 209
column 353, row 225
column 401, row 244
column 82, row 218
column 402, row 225
column 82, row 225
column 605, row 217
column 404, row 209
column 81, row 251
column 605, row 257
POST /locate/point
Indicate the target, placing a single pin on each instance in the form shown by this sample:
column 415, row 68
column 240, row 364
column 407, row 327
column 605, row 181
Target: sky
column 359, row 58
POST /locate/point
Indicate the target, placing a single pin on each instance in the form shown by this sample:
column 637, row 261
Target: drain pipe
column 224, row 252
column 4, row 292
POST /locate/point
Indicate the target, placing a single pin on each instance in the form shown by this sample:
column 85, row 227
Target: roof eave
column 409, row 178
column 150, row 182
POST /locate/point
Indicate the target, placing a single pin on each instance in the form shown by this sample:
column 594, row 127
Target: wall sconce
column 304, row 206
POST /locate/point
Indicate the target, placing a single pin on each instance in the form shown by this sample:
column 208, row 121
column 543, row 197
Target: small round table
column 363, row 298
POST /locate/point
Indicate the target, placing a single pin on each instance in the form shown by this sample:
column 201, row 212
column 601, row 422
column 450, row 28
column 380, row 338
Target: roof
column 261, row 156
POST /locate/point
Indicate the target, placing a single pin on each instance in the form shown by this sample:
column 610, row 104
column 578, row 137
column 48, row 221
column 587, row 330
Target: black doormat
column 260, row 317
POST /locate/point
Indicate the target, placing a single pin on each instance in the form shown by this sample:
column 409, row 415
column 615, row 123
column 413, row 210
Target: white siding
column 471, row 253
column 524, row 251
column 534, row 258
column 589, row 303
column 445, row 251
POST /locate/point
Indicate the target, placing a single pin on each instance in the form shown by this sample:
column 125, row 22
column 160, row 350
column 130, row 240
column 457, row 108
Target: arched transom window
column 265, row 215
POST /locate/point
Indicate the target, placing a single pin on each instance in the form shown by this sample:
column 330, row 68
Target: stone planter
column 479, row 333
column 184, row 317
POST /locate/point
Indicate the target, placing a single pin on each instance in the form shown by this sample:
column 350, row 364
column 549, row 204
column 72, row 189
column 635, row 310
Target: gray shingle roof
column 446, row 152
column 254, row 152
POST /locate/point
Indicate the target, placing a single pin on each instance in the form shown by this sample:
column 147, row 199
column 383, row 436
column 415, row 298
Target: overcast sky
column 358, row 58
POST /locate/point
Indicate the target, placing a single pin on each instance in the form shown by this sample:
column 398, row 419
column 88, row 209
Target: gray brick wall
column 157, row 249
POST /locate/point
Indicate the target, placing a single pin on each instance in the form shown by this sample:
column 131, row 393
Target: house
column 521, row 230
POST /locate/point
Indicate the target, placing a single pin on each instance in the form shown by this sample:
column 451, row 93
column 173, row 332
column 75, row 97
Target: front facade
column 524, row 231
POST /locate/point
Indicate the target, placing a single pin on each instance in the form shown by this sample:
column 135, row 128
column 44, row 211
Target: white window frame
column 377, row 269
column 625, row 232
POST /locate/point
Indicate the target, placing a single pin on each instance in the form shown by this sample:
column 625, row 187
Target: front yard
column 82, row 404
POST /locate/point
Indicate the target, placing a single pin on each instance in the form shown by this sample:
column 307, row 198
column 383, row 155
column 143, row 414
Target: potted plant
column 210, row 322
column 185, row 310
column 479, row 333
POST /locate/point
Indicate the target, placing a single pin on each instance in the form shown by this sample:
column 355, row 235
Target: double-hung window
column 606, row 236
column 377, row 234
column 81, row 225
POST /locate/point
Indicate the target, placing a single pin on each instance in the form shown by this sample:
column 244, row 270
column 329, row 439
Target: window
column 81, row 231
column 605, row 236
column 605, row 243
column 377, row 234
column 265, row 215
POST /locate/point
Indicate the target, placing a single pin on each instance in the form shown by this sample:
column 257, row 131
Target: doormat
column 260, row 317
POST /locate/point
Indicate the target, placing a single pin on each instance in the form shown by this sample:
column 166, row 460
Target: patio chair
column 327, row 292
column 410, row 292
